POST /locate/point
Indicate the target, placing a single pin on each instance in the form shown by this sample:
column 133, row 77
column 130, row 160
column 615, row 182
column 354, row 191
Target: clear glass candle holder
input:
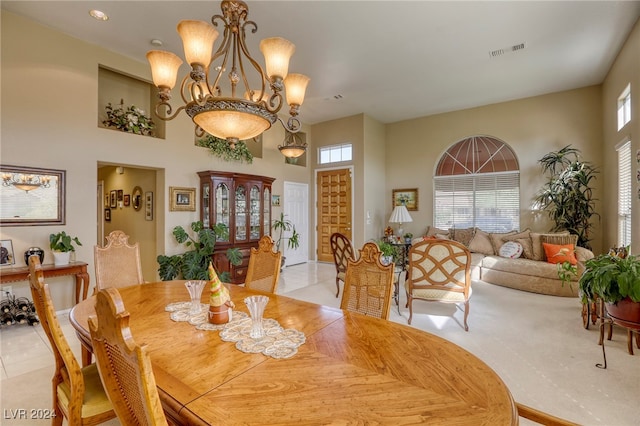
column 195, row 288
column 256, row 305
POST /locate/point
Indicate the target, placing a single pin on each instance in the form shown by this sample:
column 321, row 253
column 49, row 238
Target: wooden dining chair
column 78, row 394
column 439, row 271
column 124, row 366
column 368, row 284
column 117, row 264
column 540, row 417
column 342, row 250
column 264, row 267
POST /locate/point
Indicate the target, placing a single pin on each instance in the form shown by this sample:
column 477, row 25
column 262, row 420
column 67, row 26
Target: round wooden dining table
column 352, row 369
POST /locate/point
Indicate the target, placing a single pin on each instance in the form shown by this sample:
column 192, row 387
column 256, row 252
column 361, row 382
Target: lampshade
column 400, row 214
column 277, row 51
column 296, row 86
column 164, row 67
column 197, row 39
column 227, row 124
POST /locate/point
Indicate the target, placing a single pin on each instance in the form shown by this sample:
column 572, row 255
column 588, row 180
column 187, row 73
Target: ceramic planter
column 626, row 313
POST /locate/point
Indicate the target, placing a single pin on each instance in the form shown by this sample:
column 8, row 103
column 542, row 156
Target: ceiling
column 392, row 60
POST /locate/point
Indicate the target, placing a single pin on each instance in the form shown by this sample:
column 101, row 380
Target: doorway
column 296, row 209
column 333, row 189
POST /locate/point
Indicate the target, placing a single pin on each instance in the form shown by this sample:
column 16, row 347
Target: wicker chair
column 439, row 271
column 368, row 284
column 125, row 367
column 541, row 417
column 118, row 263
column 342, row 251
column 264, row 267
column 78, row 394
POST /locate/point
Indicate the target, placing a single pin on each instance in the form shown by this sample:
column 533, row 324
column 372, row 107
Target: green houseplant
column 388, row 251
column 280, row 226
column 193, row 263
column 615, row 280
column 62, row 245
column 567, row 195
column 222, row 149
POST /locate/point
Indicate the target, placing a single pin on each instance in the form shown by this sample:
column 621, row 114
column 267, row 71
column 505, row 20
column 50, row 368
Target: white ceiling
column 392, row 60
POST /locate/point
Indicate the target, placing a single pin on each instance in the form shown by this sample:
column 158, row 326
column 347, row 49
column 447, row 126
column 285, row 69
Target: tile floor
column 535, row 343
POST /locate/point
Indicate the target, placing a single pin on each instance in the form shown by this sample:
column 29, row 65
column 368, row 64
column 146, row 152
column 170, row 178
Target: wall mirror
column 32, row 196
column 136, row 198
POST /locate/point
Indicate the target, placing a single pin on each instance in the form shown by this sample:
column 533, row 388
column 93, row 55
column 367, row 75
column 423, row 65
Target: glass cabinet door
column 222, row 207
column 266, row 214
column 241, row 213
column 254, row 212
column 205, row 205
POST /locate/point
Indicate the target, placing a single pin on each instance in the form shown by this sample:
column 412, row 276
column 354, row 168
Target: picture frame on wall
column 6, row 253
column 182, row 199
column 275, row 200
column 148, row 205
column 32, row 196
column 408, row 197
column 113, row 199
column 127, row 200
column 120, row 194
column 107, row 214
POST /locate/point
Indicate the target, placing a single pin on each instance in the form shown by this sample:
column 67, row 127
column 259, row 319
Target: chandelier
column 227, row 107
column 293, row 146
column 25, row 182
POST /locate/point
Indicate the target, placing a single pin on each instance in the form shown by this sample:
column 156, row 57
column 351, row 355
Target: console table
column 79, row 269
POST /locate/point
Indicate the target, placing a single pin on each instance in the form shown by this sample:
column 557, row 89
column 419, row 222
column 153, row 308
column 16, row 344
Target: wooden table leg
column 82, row 280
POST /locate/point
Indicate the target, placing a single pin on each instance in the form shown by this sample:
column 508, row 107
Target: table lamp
column 400, row 215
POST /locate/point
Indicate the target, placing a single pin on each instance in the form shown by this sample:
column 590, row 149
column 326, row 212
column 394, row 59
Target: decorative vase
column 626, row 313
column 33, row 251
column 61, row 257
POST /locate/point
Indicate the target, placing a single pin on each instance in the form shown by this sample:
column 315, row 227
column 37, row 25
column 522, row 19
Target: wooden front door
column 334, row 208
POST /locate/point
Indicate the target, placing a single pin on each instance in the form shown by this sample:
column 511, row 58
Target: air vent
column 505, row 50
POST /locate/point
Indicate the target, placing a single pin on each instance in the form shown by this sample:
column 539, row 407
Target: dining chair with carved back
column 124, row 365
column 117, row 264
column 368, row 284
column 264, row 266
column 342, row 250
column 439, row 271
column 78, row 394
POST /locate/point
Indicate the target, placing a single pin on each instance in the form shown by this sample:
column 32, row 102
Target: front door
column 334, row 208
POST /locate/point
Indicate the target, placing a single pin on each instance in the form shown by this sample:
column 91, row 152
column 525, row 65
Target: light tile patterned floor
column 535, row 343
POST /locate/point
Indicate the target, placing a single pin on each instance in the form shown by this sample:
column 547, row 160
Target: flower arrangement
column 131, row 119
column 221, row 148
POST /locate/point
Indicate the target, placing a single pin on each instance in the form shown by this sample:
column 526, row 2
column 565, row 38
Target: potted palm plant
column 615, row 280
column 280, row 226
column 62, row 245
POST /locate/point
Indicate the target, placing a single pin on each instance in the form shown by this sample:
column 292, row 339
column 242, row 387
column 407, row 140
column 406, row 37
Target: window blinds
column 624, row 194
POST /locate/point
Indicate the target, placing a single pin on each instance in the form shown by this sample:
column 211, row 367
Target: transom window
column 624, row 107
column 335, row 153
column 477, row 183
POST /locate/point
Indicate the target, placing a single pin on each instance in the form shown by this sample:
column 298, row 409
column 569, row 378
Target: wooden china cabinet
column 243, row 203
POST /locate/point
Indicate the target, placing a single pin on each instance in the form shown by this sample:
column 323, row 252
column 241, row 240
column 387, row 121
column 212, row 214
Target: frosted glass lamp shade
column 232, row 124
column 164, row 68
column 295, row 86
column 197, row 40
column 277, row 52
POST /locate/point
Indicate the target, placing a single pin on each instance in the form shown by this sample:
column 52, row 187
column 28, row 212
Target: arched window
column 477, row 183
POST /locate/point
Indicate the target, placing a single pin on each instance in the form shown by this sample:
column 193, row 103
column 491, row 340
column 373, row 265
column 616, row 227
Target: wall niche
column 116, row 87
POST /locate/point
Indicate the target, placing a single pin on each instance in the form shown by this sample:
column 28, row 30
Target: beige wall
column 532, row 127
column 49, row 119
column 625, row 70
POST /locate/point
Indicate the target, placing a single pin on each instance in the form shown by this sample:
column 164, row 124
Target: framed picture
column 136, row 196
column 107, row 215
column 113, row 199
column 6, row 253
column 32, row 196
column 408, row 197
column 182, row 199
column 275, row 200
column 120, row 194
column 127, row 200
column 148, row 205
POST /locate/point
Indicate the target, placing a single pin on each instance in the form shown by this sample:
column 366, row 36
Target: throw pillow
column 511, row 249
column 536, row 243
column 524, row 238
column 559, row 253
column 480, row 243
column 496, row 239
column 463, row 235
column 432, row 230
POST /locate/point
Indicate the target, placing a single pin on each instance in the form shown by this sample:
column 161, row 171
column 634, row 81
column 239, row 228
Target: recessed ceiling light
column 98, row 14
column 156, row 42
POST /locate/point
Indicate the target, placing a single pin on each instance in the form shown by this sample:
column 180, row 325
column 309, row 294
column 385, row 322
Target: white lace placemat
column 277, row 342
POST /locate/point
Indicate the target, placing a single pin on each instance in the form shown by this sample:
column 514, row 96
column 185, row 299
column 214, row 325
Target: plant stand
column 632, row 325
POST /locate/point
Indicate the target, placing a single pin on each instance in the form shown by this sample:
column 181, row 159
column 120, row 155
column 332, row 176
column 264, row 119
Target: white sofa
column 530, row 272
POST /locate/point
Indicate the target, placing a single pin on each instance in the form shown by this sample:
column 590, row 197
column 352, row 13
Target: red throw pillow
column 558, row 253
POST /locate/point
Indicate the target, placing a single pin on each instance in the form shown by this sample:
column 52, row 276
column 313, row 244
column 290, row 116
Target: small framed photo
column 408, row 197
column 120, row 194
column 107, row 215
column 182, row 199
column 6, row 253
column 127, row 200
column 113, row 199
column 275, row 200
column 148, row 205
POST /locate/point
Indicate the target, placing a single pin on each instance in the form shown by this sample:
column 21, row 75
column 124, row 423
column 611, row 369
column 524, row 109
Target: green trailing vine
column 221, row 149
